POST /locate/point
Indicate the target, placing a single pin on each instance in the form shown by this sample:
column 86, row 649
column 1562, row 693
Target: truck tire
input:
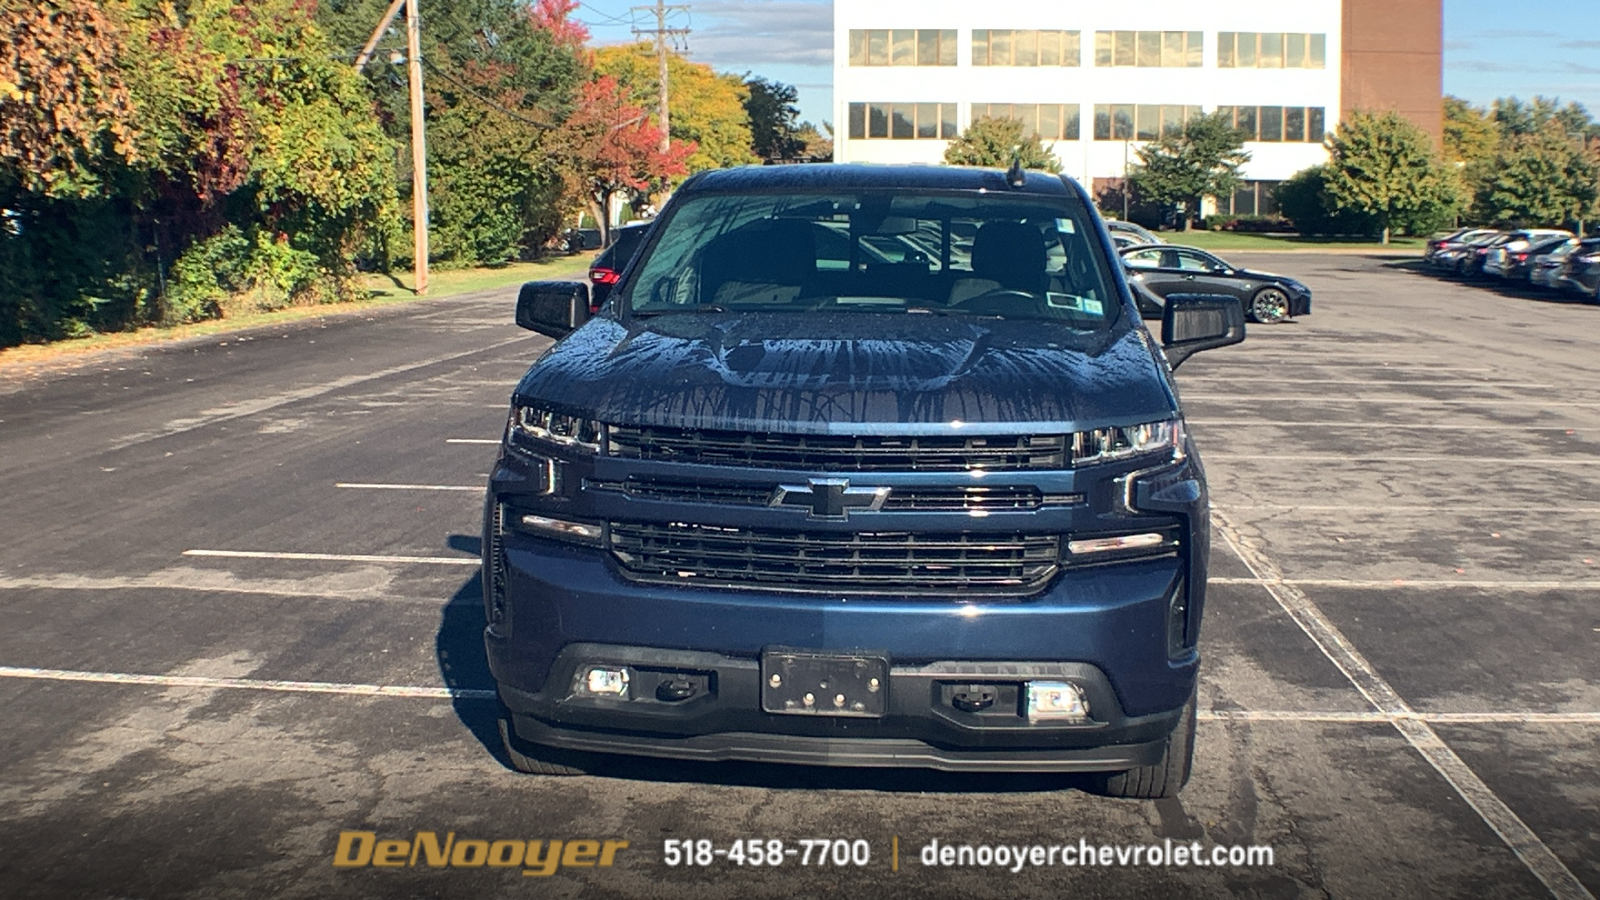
column 1169, row 774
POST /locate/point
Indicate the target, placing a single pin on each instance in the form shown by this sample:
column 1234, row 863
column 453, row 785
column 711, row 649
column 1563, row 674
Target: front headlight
column 1127, row 441
column 559, row 429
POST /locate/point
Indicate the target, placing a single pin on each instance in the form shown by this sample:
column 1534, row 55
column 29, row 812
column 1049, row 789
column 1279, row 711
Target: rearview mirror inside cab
column 553, row 308
column 1191, row 323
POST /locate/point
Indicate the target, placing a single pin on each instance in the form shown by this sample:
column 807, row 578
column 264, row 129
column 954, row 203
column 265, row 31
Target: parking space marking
column 472, row 440
column 370, row 486
column 1521, row 585
column 1408, row 401
column 256, row 684
column 338, row 557
column 1500, row 818
column 1387, row 459
column 1463, row 507
column 1385, row 425
column 424, row 692
column 243, row 408
column 1357, row 382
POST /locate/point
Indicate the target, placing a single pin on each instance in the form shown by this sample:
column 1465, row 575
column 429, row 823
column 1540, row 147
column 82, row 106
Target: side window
column 833, row 246
column 1144, row 259
column 1190, row 261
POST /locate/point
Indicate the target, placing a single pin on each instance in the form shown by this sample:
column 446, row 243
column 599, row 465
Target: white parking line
column 1387, row 459
column 254, row 684
column 242, row 408
column 337, row 557
column 1406, row 401
column 1495, row 718
column 474, row 488
column 1495, row 585
column 441, row 693
column 1465, row 506
column 1384, row 426
column 1358, row 382
column 472, row 440
column 1515, row 833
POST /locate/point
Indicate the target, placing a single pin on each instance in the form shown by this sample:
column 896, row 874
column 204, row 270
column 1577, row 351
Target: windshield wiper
column 950, row 311
column 709, row 307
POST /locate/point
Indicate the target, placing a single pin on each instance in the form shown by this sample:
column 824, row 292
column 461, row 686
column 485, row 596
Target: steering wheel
column 999, row 301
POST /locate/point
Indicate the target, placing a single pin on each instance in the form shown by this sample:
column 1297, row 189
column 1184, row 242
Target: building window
column 1050, row 121
column 1025, row 48
column 1251, row 198
column 1149, row 49
column 1144, row 122
column 902, row 47
column 1291, row 124
column 902, row 121
column 1255, row 50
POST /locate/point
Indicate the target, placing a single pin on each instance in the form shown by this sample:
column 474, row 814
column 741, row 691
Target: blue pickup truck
column 857, row 466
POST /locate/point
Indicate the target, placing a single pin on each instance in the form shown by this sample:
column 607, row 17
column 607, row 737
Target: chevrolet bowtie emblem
column 829, row 498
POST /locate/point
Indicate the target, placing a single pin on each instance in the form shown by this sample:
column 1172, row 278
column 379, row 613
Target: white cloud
column 750, row 34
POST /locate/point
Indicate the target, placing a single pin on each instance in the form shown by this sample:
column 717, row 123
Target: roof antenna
column 1015, row 176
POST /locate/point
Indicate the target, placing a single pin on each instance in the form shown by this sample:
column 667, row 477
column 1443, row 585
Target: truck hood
column 852, row 372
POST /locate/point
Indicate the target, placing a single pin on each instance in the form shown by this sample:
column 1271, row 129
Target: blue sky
column 1555, row 53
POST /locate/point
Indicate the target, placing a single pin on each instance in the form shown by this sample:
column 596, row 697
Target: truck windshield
column 998, row 255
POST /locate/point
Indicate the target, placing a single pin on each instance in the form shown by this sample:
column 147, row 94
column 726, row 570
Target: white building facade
column 1093, row 80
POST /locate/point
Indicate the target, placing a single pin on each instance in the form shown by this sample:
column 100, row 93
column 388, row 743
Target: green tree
column 1545, row 178
column 706, row 107
column 1384, row 166
column 1470, row 135
column 996, row 143
column 818, row 141
column 1303, row 199
column 773, row 119
column 1202, row 160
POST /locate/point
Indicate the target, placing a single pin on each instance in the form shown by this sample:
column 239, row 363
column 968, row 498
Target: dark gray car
column 1165, row 269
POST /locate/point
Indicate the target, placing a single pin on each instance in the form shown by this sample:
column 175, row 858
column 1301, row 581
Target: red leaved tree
column 610, row 146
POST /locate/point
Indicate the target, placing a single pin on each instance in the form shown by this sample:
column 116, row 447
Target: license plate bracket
column 851, row 684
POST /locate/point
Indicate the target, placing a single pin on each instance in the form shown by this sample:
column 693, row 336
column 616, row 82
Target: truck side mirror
column 553, row 308
column 1191, row 323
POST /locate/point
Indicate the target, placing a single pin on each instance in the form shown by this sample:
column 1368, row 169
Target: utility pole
column 419, row 150
column 419, row 137
column 661, row 33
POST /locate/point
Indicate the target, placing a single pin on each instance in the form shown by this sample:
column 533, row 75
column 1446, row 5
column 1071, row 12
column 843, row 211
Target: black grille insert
column 825, row 452
column 881, row 562
column 942, row 498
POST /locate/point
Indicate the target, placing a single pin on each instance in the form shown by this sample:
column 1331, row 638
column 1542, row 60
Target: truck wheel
column 533, row 759
column 1167, row 776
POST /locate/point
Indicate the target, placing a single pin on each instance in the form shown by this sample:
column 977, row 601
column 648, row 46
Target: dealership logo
column 358, row 849
column 829, row 498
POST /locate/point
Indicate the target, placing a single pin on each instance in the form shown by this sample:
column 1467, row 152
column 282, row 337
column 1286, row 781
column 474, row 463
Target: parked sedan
column 1456, row 254
column 1544, row 267
column 1140, row 234
column 1514, row 262
column 1166, row 269
column 1453, row 240
column 1581, row 273
column 1509, row 257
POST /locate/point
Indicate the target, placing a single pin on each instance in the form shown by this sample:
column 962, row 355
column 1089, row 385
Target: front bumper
column 723, row 720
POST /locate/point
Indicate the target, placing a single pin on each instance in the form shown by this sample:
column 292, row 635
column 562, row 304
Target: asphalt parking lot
column 241, row 615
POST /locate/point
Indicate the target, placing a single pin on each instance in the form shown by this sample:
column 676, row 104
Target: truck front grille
column 954, row 498
column 826, row 453
column 881, row 562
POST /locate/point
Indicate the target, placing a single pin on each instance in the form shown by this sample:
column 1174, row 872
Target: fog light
column 1056, row 700
column 562, row 528
column 1120, row 542
column 603, row 681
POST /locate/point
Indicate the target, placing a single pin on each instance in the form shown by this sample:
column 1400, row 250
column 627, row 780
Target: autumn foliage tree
column 608, row 146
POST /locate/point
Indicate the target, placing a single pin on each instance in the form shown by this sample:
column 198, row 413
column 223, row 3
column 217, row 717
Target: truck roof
column 856, row 176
